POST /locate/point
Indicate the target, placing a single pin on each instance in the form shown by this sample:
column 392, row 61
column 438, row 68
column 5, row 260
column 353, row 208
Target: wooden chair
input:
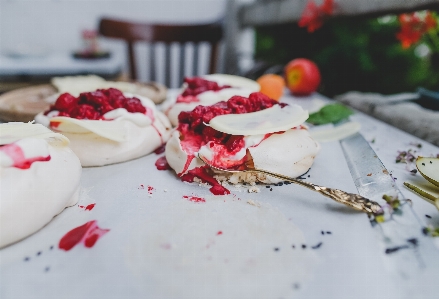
column 167, row 34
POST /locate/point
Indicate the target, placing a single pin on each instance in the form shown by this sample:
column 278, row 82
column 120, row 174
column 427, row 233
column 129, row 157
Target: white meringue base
column 94, row 150
column 30, row 198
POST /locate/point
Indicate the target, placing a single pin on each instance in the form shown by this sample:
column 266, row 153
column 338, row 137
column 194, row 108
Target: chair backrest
column 133, row 32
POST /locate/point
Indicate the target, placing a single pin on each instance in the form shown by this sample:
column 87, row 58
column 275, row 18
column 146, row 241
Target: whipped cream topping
column 120, row 137
column 39, row 177
column 238, row 86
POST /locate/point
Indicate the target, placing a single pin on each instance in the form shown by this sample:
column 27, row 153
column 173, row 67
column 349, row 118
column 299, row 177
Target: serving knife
column 409, row 255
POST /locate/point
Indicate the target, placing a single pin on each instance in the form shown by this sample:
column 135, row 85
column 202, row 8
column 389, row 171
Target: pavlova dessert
column 230, row 134
column 107, row 126
column 208, row 90
column 39, row 177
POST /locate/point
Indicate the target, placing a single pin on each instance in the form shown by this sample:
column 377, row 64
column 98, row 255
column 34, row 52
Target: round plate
column 24, row 103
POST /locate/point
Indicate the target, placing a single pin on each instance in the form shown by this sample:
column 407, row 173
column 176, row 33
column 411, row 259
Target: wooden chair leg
column 182, row 64
column 132, row 61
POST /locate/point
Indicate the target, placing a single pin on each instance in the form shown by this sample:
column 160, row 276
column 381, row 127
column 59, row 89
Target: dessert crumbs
column 254, row 189
column 317, row 246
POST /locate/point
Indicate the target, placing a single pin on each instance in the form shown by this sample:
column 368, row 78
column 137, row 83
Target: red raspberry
column 134, row 105
column 197, row 85
column 85, row 111
column 95, row 98
column 235, row 143
column 65, row 103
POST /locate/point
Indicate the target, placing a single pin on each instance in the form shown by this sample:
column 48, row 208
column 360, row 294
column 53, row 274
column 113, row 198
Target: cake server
column 354, row 201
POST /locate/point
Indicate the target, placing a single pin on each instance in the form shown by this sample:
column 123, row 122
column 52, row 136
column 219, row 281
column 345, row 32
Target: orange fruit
column 272, row 85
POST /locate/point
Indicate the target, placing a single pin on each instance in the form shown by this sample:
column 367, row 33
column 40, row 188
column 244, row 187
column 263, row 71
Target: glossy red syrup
column 150, row 189
column 195, row 134
column 194, row 198
column 205, row 177
column 88, row 207
column 15, row 152
column 161, row 149
column 195, row 86
column 88, row 234
column 93, row 105
column 219, row 233
column 162, row 164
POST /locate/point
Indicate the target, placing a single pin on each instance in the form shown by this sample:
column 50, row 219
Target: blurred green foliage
column 352, row 54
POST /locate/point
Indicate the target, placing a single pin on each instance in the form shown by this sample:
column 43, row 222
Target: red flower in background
column 413, row 27
column 313, row 16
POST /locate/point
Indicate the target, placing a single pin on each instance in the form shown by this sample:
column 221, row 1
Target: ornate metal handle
column 355, row 201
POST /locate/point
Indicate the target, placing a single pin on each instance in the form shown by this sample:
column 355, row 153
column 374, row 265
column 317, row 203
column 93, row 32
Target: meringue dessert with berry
column 230, row 134
column 208, row 90
column 39, row 177
column 107, row 126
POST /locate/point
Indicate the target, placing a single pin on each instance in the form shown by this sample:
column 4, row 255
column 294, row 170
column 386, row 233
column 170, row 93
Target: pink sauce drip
column 194, row 198
column 88, row 207
column 187, row 99
column 54, row 124
column 88, row 234
column 150, row 189
column 162, row 164
column 186, row 165
column 16, row 153
column 161, row 149
column 219, row 233
column 158, row 132
column 201, row 173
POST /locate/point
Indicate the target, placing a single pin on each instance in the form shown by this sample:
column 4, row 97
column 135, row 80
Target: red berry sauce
column 194, row 134
column 87, row 234
column 93, row 105
column 16, row 154
column 195, row 86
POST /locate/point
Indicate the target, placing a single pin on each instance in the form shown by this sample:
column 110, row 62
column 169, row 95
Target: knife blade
column 406, row 250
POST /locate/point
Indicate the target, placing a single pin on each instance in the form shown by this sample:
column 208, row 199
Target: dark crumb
column 328, row 232
column 425, row 231
column 413, row 241
column 428, row 216
column 287, row 183
column 39, row 253
column 280, row 184
column 296, row 286
column 414, row 171
column 431, row 162
column 317, row 246
column 322, row 232
column 303, row 246
column 257, row 183
column 267, row 186
column 271, row 189
column 369, row 174
column 26, row 259
column 293, row 247
column 423, row 164
column 47, row 269
column 276, row 249
column 245, row 184
column 51, row 247
column 309, row 175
